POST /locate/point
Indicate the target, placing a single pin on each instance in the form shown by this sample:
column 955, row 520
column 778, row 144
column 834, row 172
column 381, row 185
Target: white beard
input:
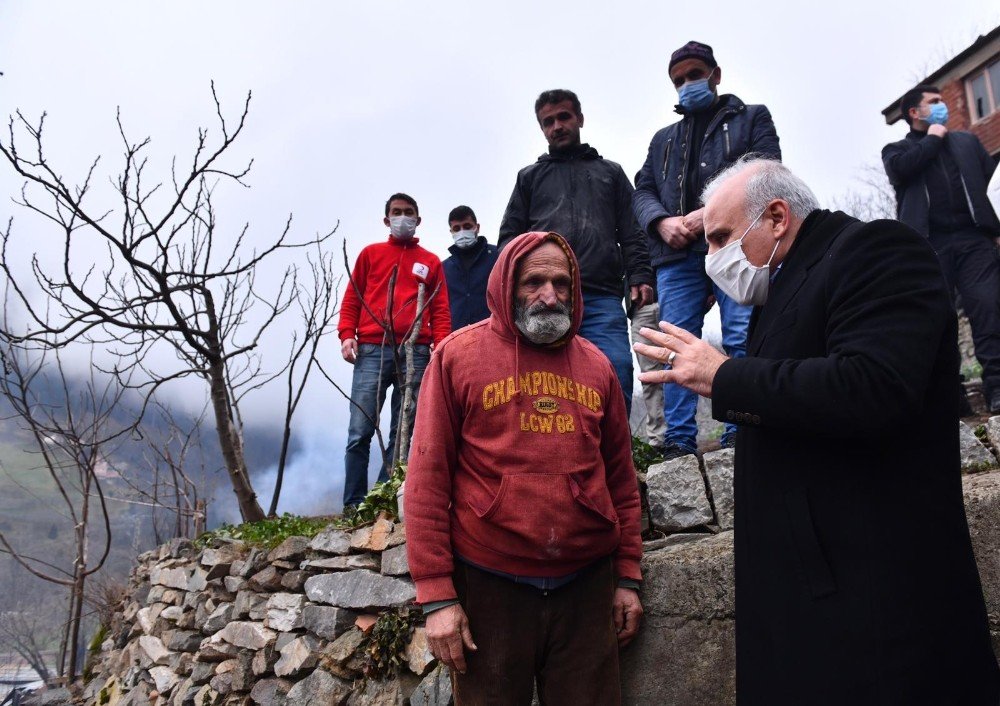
column 540, row 324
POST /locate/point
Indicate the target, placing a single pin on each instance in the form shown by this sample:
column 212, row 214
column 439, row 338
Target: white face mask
column 465, row 238
column 402, row 227
column 742, row 281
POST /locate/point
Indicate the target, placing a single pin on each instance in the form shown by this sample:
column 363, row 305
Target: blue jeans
column 606, row 326
column 683, row 287
column 374, row 371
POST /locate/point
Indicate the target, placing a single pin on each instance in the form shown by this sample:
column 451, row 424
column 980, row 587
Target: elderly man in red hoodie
column 522, row 506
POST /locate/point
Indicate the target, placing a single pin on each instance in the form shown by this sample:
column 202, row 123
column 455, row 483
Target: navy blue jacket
column 736, row 130
column 467, row 286
column 907, row 161
column 587, row 200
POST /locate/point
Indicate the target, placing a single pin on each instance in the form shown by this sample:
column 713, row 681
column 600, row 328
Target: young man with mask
column 468, row 268
column 367, row 343
column 572, row 190
column 940, row 178
column 714, row 131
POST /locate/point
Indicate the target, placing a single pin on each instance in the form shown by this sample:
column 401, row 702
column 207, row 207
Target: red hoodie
column 521, row 459
column 371, row 274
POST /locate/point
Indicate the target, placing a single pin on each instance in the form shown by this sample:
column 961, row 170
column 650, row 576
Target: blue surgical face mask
column 696, row 95
column 937, row 114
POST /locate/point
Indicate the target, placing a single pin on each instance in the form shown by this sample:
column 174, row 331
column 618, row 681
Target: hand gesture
column 690, row 362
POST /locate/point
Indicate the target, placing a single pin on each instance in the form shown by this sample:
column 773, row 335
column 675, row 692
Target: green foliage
column 100, row 635
column 384, row 646
column 267, row 533
column 381, row 498
column 980, row 432
column 644, row 455
column 93, row 648
column 972, row 371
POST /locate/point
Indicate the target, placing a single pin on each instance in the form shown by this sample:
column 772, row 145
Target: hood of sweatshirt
column 503, row 284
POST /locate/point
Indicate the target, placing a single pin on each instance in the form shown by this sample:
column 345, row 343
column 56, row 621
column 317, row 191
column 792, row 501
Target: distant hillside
column 34, row 521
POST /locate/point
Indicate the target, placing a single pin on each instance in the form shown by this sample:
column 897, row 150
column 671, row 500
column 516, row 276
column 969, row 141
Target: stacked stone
column 238, row 625
column 233, row 625
column 690, row 493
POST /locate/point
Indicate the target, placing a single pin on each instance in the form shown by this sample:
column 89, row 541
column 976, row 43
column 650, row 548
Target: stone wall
column 229, row 624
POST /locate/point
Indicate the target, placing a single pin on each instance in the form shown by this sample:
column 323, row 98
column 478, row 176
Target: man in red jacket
column 372, row 329
column 522, row 507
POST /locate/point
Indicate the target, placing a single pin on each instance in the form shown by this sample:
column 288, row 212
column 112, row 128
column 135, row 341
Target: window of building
column 984, row 91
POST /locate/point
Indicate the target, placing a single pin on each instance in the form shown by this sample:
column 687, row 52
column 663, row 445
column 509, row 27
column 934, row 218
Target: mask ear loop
column 768, row 265
column 752, row 224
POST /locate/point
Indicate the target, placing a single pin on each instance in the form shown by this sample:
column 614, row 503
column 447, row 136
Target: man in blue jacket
column 714, row 131
column 940, row 179
column 468, row 268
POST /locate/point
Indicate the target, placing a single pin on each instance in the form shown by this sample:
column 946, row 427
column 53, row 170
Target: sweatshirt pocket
column 547, row 517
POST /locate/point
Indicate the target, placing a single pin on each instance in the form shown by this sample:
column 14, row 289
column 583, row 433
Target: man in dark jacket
column 855, row 577
column 940, row 179
column 468, row 268
column 575, row 192
column 714, row 132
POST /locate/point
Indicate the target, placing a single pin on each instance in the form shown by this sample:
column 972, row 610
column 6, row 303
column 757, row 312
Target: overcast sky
column 353, row 101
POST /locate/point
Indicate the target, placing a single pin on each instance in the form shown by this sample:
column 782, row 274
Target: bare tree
column 317, row 306
column 165, row 482
column 25, row 634
column 72, row 430
column 162, row 278
column 402, row 449
column 24, row 629
column 874, row 199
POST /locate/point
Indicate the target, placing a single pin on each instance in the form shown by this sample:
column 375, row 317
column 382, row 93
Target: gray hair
column 772, row 180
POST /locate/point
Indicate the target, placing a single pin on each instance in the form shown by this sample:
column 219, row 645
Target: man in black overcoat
column 855, row 578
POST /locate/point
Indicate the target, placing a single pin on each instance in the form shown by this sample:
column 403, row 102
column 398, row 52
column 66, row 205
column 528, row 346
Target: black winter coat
column 907, row 161
column 736, row 130
column 855, row 578
column 587, row 200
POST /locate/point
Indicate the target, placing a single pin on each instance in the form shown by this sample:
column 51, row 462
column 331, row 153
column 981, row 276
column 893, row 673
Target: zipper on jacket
column 725, row 135
column 684, row 162
column 968, row 200
column 666, row 159
column 724, row 114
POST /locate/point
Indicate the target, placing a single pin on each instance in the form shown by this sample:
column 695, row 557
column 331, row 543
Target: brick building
column 970, row 85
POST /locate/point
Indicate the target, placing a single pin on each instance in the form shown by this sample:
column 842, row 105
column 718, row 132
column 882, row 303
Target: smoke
column 313, row 482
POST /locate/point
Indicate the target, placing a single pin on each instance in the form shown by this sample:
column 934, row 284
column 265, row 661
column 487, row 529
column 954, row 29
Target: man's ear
column 418, row 220
column 780, row 217
column 386, row 221
column 477, row 229
column 715, row 78
column 581, row 119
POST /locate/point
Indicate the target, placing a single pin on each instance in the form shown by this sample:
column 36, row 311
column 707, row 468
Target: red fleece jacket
column 521, row 459
column 371, row 274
